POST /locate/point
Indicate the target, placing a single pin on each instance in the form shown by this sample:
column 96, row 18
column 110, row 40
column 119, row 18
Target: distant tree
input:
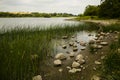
column 91, row 10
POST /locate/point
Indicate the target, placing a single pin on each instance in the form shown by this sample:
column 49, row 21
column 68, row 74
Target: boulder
column 75, row 64
column 57, row 62
column 60, row 56
column 82, row 61
column 38, row 77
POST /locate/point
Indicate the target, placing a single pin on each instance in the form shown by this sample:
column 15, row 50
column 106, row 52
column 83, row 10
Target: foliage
column 110, row 9
column 91, row 10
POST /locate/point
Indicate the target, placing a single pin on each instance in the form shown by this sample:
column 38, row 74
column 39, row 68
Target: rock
column 91, row 41
column 71, row 43
column 74, row 45
column 60, row 56
column 84, row 68
column 64, row 46
column 97, row 35
column 82, row 43
column 98, row 41
column 102, row 57
column 68, row 67
column 83, row 48
column 94, row 68
column 89, row 34
column 102, row 33
column 80, row 59
column 75, row 64
column 75, row 49
column 60, row 70
column 101, row 38
column 38, row 77
column 97, row 62
column 57, row 62
column 95, row 77
column 104, row 43
column 64, row 37
column 116, row 37
column 74, row 70
column 72, row 54
column 99, row 47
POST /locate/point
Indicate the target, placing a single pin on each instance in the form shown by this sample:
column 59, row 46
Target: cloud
column 68, row 6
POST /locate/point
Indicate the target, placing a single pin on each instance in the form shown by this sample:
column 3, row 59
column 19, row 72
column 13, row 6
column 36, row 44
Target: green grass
column 111, row 68
column 87, row 18
column 23, row 50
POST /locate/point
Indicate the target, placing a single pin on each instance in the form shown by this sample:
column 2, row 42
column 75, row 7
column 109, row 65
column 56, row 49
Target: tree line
column 35, row 14
column 107, row 9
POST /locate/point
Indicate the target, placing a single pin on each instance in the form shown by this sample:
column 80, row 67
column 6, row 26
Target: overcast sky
column 49, row 6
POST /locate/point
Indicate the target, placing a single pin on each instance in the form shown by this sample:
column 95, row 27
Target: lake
column 8, row 23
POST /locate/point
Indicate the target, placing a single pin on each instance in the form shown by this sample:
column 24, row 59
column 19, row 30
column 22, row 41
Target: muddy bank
column 93, row 63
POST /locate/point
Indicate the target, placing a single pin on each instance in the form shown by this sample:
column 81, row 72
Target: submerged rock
column 38, row 77
column 57, row 62
column 75, row 64
column 60, row 56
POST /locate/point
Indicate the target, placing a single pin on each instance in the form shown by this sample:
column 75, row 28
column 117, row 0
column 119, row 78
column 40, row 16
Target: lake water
column 8, row 23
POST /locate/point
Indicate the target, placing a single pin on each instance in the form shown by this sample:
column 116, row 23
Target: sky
column 48, row 6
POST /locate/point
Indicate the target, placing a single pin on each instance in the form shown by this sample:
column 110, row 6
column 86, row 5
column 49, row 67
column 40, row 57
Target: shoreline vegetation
column 23, row 50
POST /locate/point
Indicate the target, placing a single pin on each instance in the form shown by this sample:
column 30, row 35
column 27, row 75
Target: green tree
column 110, row 9
column 91, row 10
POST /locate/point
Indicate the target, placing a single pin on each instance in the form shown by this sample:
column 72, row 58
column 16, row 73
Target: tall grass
column 23, row 50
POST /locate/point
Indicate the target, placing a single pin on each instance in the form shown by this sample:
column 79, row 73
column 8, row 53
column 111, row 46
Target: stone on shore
column 57, row 62
column 74, row 70
column 38, row 77
column 60, row 56
column 75, row 64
